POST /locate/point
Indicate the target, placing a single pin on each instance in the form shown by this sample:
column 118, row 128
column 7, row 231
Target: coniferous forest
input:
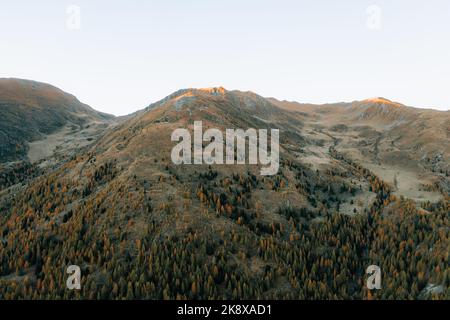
column 215, row 241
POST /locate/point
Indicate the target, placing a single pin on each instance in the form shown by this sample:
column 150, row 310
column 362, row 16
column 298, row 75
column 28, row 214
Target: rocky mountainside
column 409, row 145
column 32, row 110
column 139, row 226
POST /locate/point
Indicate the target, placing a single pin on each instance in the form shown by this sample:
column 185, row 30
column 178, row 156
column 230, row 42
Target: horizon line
column 219, row 87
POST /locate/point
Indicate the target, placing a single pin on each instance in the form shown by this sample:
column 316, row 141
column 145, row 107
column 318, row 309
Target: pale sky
column 128, row 54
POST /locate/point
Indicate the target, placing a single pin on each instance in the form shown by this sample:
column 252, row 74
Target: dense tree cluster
column 134, row 239
column 17, row 172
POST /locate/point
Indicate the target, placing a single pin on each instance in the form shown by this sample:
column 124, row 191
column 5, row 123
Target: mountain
column 409, row 145
column 32, row 110
column 141, row 227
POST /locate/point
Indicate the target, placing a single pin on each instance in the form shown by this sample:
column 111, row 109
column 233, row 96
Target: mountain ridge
column 32, row 110
column 348, row 193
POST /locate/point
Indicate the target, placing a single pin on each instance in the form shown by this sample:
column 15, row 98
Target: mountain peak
column 33, row 110
column 213, row 90
column 382, row 101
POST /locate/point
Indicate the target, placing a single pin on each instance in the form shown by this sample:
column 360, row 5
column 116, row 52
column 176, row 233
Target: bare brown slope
column 215, row 107
column 411, row 128
column 406, row 146
column 31, row 110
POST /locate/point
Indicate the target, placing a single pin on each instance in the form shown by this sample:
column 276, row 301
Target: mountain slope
column 397, row 142
column 32, row 110
column 141, row 227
